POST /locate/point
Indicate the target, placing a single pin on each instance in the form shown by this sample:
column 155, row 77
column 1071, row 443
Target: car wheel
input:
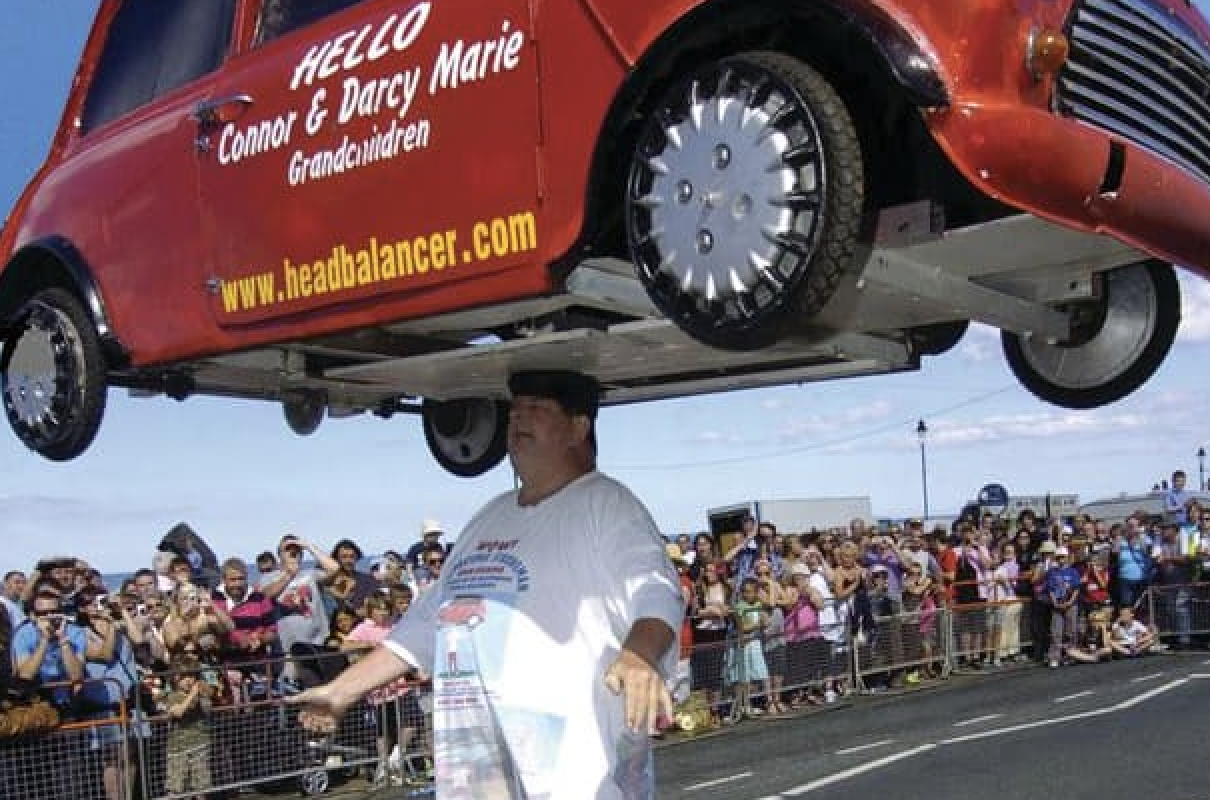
column 304, row 411
column 467, row 437
column 1117, row 342
column 313, row 783
column 53, row 376
column 938, row 338
column 744, row 199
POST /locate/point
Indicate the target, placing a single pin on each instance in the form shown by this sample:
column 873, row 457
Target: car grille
column 1143, row 74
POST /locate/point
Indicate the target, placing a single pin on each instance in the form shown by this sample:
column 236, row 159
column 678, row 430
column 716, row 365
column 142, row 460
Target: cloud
column 1195, row 309
column 823, row 425
column 714, row 438
column 981, row 343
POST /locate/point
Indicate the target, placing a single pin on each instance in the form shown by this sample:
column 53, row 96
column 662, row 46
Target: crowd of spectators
column 772, row 614
column 769, row 615
column 176, row 641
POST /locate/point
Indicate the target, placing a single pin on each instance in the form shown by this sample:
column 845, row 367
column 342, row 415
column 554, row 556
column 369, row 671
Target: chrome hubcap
column 36, row 377
column 1129, row 324
column 727, row 205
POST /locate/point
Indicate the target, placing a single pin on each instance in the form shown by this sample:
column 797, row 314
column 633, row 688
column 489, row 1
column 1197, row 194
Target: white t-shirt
column 1128, row 634
column 301, row 616
column 830, row 623
column 532, row 607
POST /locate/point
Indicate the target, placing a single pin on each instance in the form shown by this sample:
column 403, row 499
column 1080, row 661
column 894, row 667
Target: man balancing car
column 550, row 632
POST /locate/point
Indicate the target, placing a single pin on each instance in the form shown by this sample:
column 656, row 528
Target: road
column 1121, row 730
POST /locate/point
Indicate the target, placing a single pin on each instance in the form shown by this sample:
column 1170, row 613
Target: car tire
column 53, row 376
column 468, row 437
column 745, row 198
column 938, row 338
column 1117, row 347
column 304, row 411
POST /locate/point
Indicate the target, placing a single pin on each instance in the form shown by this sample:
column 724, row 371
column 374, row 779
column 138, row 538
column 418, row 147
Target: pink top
column 367, row 631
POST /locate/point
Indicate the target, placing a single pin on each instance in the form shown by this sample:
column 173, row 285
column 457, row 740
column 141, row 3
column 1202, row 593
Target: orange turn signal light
column 1046, row 52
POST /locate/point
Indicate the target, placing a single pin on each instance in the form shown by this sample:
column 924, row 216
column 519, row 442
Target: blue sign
column 994, row 496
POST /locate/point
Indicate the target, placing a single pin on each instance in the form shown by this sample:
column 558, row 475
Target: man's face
column 235, row 582
column 766, row 531
column 1178, row 481
column 14, row 585
column 392, row 570
column 181, row 573
column 290, row 554
column 266, row 565
column 144, row 585
column 347, row 558
column 683, row 543
column 48, row 608
column 538, row 428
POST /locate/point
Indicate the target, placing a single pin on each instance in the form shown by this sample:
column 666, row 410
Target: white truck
column 791, row 515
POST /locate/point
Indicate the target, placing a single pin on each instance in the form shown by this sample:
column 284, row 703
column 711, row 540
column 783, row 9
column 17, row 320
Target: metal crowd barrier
column 250, row 739
column 86, row 758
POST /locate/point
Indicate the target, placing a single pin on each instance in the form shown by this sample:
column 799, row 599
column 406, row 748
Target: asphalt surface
column 1131, row 729
column 1126, row 729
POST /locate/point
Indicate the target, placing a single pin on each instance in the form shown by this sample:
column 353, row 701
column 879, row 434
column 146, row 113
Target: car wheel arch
column 701, row 34
column 54, row 262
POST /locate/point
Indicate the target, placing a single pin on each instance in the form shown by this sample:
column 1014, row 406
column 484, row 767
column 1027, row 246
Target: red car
column 389, row 205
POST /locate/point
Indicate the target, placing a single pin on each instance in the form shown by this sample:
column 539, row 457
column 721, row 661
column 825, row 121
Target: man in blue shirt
column 1175, row 499
column 1063, row 588
column 1134, row 558
column 49, row 648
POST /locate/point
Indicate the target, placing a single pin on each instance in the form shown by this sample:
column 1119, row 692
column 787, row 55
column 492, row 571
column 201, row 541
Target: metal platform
column 1007, row 273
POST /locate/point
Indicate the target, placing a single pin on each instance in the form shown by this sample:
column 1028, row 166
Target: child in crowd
column 396, row 706
column 748, row 661
column 188, row 707
column 1096, row 641
column 1129, row 636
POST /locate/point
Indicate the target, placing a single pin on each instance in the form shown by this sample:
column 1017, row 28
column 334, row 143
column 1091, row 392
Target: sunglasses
column 433, row 562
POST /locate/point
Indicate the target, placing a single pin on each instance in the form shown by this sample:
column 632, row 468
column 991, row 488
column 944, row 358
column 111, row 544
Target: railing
column 252, row 738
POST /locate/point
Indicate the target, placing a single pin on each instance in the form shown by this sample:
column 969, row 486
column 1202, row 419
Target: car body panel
column 399, row 198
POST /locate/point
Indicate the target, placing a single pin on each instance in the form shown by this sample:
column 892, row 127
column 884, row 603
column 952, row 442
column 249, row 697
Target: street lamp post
column 1201, row 468
column 922, row 432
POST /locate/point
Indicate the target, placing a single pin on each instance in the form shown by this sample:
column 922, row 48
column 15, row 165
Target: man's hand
column 322, row 708
column 648, row 701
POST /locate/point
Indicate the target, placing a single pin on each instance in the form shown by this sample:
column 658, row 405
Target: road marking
column 1150, row 677
column 718, row 782
column 1199, row 675
column 1150, row 693
column 860, row 747
column 977, row 720
column 1067, row 697
column 970, row 737
column 854, row 771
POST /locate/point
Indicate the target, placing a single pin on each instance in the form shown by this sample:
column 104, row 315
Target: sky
column 234, row 472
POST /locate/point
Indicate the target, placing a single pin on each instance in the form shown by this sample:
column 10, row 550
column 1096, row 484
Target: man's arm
column 73, row 661
column 28, row 667
column 635, row 675
column 329, row 565
column 273, row 588
column 324, row 706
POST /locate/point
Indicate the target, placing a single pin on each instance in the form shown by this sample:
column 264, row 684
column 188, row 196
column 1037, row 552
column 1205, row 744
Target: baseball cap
column 674, row 553
column 431, row 526
column 877, row 568
column 800, row 569
column 575, row 392
column 1046, row 547
column 1062, row 551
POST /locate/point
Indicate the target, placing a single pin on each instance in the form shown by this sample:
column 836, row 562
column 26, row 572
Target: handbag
column 23, row 712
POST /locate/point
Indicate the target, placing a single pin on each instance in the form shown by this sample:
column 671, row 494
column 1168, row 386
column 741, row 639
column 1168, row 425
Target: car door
column 379, row 150
column 123, row 188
